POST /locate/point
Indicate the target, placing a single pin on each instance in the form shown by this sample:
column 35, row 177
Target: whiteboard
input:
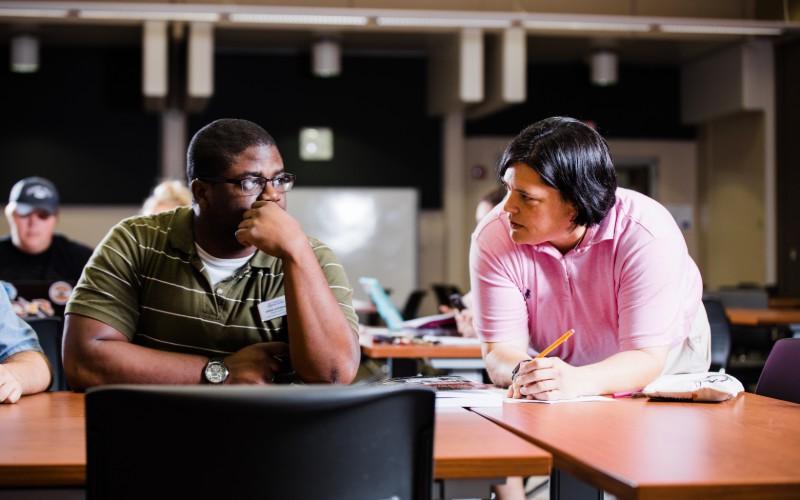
column 372, row 231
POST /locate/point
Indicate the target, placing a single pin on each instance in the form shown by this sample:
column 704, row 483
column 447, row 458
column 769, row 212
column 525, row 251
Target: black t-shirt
column 63, row 261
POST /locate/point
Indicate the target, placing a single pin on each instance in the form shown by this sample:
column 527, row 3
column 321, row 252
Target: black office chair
column 411, row 308
column 443, row 292
column 781, row 372
column 720, row 334
column 202, row 442
column 49, row 331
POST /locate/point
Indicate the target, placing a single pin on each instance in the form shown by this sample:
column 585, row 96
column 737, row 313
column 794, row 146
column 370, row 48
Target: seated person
column 567, row 250
column 167, row 195
column 229, row 290
column 33, row 252
column 23, row 366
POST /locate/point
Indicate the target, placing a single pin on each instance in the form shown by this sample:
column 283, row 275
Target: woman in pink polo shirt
column 567, row 249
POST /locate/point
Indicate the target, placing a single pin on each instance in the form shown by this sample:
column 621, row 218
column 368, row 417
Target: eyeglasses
column 255, row 185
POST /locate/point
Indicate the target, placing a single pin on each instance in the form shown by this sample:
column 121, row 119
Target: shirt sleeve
column 337, row 281
column 650, row 296
column 501, row 314
column 15, row 335
column 108, row 290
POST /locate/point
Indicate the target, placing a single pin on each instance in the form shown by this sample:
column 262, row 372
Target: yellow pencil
column 560, row 340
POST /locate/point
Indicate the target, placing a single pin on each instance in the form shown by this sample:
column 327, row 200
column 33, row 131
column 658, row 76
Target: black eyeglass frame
column 284, row 176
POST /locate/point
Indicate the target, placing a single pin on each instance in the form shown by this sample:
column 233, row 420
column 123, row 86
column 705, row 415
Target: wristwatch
column 215, row 371
column 516, row 369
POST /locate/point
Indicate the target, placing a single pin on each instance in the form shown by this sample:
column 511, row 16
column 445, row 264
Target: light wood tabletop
column 748, row 447
column 467, row 445
column 390, row 351
column 43, row 441
column 43, row 444
column 762, row 317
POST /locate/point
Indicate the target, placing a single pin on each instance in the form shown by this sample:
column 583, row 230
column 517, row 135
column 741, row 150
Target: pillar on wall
column 456, row 249
column 456, row 79
column 723, row 93
column 173, row 144
column 506, row 74
column 456, row 76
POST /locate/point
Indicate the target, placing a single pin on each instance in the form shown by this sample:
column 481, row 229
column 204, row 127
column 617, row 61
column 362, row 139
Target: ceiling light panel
column 719, row 29
column 54, row 13
column 537, row 24
column 149, row 15
column 244, row 17
column 442, row 22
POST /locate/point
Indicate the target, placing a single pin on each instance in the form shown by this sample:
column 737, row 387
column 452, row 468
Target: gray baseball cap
column 34, row 193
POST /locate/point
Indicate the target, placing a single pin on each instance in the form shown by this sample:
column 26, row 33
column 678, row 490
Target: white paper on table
column 581, row 399
column 470, row 398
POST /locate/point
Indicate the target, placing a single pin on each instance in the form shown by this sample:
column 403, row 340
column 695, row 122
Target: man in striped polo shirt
column 228, row 291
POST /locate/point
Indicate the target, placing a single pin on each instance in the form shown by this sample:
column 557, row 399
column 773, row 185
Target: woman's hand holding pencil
column 547, row 378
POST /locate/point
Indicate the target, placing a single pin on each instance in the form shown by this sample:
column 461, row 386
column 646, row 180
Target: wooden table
column 763, row 317
column 401, row 359
column 633, row 448
column 784, row 302
column 412, row 351
column 471, row 453
column 42, row 445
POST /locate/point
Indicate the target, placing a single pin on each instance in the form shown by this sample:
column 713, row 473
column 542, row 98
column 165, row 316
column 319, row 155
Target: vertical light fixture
column 326, row 58
column 24, row 54
column 604, row 68
column 200, row 67
column 155, row 60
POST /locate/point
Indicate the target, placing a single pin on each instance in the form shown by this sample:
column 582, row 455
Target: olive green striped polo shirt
column 146, row 280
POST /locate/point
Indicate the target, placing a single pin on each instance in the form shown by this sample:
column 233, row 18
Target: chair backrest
column 50, row 331
column 202, row 442
column 780, row 377
column 411, row 308
column 443, row 292
column 750, row 298
column 720, row 334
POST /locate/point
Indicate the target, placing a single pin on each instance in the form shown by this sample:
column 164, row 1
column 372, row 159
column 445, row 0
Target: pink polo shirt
column 629, row 284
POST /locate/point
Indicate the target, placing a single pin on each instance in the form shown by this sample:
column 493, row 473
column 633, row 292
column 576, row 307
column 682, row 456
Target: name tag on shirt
column 271, row 309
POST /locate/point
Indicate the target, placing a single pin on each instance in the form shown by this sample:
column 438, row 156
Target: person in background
column 488, row 202
column 167, row 195
column 33, row 252
column 229, row 290
column 23, row 367
column 567, row 249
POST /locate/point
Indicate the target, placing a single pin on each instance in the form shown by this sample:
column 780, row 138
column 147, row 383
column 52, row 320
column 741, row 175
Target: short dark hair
column 571, row 157
column 215, row 146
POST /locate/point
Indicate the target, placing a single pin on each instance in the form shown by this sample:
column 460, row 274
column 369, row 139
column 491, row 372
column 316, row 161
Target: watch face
column 216, row 372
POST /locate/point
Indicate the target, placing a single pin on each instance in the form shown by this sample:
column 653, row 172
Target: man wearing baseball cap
column 33, row 252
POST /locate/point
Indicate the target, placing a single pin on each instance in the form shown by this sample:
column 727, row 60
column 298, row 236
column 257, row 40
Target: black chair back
column 202, row 442
column 443, row 292
column 411, row 307
column 50, row 331
column 720, row 334
column 780, row 377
